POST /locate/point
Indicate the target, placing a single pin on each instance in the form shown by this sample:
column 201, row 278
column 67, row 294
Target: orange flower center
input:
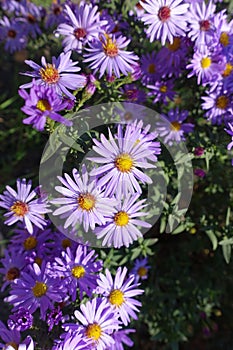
column 11, row 34
column 151, row 68
column 175, row 126
column 142, row 271
column 19, row 208
column 175, row 45
column 49, row 74
column 30, row 243
column 110, row 47
column 228, row 70
column 86, row 201
column 94, row 331
column 224, row 39
column 222, row 102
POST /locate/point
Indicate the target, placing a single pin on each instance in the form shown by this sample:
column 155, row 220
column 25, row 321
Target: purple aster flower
column 13, row 34
column 123, row 158
column 42, row 102
column 172, row 128
column 140, row 269
column 82, row 26
column 132, row 93
column 218, row 104
column 36, row 246
column 172, row 58
column 13, row 263
column 56, row 14
column 83, row 200
column 151, row 70
column 166, row 19
column 30, row 15
column 120, row 229
column 201, row 23
column 73, row 341
column 119, row 293
column 36, row 289
column 162, row 91
column 21, row 320
column 22, row 207
column 121, row 337
column 199, row 172
column 78, row 270
column 206, row 66
column 58, row 74
column 108, row 54
column 98, row 322
column 127, row 113
column 9, row 337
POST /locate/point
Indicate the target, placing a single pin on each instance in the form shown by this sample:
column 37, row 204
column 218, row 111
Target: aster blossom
column 172, row 128
column 21, row 206
column 119, row 293
column 140, row 269
column 13, row 263
column 83, row 24
column 166, row 19
column 201, row 23
column 78, row 270
column 41, row 103
column 121, row 228
column 122, row 156
column 61, row 74
column 13, row 34
column 83, row 200
column 98, row 321
column 108, row 54
column 73, row 340
column 36, row 289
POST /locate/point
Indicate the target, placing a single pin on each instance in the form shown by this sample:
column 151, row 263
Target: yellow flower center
column 93, row 331
column 116, row 297
column 12, row 274
column 175, row 45
column 151, row 68
column 222, row 102
column 78, row 271
column 43, row 105
column 86, row 201
column 224, row 39
column 142, row 271
column 30, row 243
column 66, row 243
column 49, row 74
column 19, row 208
column 13, row 344
column 39, row 289
column 163, row 88
column 175, row 126
column 121, row 218
column 228, row 70
column 205, row 62
column 38, row 261
column 110, row 47
column 124, row 162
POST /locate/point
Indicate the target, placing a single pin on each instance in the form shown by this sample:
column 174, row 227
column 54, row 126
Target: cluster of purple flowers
column 45, row 271
column 108, row 198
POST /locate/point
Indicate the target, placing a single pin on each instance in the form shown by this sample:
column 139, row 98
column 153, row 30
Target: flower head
column 166, row 19
column 22, row 207
column 120, row 229
column 83, row 200
column 140, row 269
column 123, row 156
column 107, row 54
column 83, row 24
column 119, row 293
column 98, row 321
column 58, row 74
column 42, row 102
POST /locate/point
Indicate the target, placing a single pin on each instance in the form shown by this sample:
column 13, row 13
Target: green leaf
column 212, row 238
column 226, row 249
